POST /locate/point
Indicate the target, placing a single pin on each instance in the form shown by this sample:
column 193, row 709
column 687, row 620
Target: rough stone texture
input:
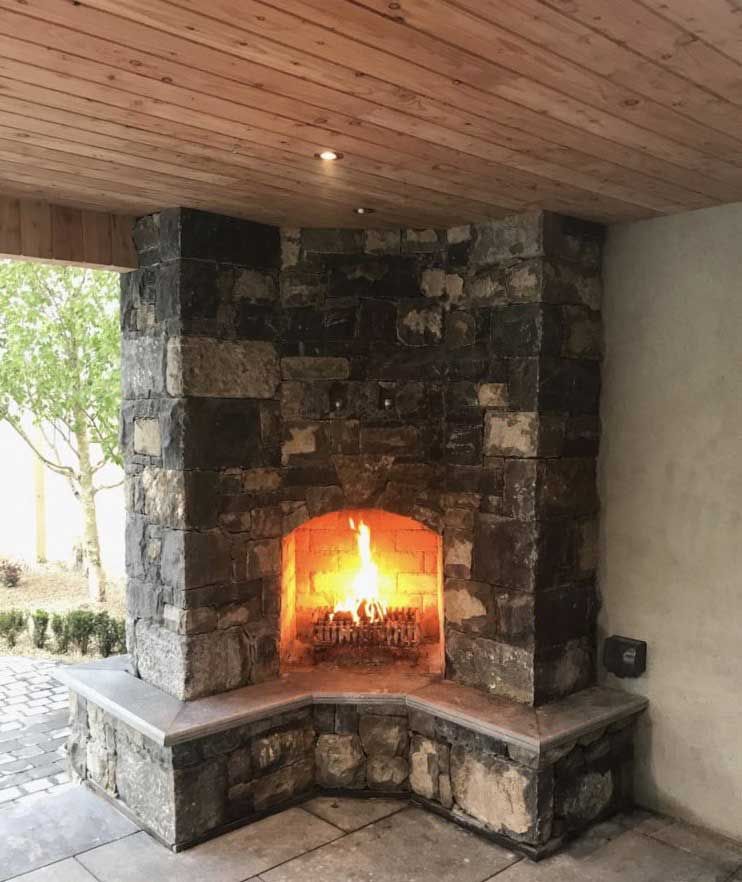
column 450, row 376
column 383, row 735
column 386, row 772
column 208, row 368
column 340, row 761
column 424, row 775
column 499, row 794
column 147, row 439
column 193, row 789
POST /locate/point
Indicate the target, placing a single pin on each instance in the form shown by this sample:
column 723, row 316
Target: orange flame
column 363, row 600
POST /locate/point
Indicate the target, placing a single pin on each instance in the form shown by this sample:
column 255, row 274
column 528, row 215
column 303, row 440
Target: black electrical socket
column 624, row 656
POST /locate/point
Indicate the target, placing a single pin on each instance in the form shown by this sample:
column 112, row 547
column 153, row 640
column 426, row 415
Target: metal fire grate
column 400, row 627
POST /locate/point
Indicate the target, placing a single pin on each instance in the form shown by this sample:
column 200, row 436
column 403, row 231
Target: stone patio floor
column 53, row 831
column 33, row 730
column 77, row 836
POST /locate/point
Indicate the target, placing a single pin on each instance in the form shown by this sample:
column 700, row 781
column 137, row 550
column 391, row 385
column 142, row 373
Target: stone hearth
column 527, row 776
column 443, row 386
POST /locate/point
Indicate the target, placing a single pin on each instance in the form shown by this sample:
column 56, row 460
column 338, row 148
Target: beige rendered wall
column 671, row 490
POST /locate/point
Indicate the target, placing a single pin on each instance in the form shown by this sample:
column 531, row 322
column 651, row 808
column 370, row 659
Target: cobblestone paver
column 33, row 730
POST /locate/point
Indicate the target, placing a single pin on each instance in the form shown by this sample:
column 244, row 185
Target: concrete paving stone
column 18, row 765
column 702, row 843
column 28, row 752
column 8, row 793
column 72, row 821
column 230, row 858
column 44, row 758
column 412, row 844
column 631, row 857
column 351, row 814
column 10, row 727
column 61, row 778
column 28, row 798
column 17, row 780
column 36, row 785
column 68, row 870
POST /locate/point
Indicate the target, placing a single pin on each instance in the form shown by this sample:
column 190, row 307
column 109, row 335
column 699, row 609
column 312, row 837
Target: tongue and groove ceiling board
column 446, row 112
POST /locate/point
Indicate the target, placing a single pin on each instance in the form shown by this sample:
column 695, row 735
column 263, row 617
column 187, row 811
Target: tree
column 59, row 364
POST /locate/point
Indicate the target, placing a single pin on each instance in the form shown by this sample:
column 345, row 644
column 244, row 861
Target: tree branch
column 108, row 486
column 55, row 467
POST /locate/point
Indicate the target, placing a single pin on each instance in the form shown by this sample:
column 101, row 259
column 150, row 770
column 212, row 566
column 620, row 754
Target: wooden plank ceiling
column 446, row 111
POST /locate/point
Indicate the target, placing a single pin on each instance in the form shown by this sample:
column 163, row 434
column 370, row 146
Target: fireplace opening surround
column 288, row 392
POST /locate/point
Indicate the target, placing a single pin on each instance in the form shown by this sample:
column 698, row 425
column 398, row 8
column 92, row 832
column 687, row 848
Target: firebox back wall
column 451, row 376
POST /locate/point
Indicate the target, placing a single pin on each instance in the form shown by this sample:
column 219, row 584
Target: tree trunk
column 91, row 541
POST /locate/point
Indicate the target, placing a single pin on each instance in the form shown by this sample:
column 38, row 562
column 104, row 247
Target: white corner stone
column 511, row 434
column 147, row 437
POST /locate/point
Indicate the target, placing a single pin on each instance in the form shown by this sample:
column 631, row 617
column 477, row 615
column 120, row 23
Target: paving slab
column 410, row 846
column 702, row 843
column 54, row 827
column 631, row 857
column 351, row 814
column 68, row 870
column 230, row 858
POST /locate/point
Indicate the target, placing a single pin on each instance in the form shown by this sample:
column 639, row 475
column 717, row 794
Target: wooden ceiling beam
column 38, row 230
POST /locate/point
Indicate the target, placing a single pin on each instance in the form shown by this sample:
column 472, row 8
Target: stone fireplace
column 285, row 389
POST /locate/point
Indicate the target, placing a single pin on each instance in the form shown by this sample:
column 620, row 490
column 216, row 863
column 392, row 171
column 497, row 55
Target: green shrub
column 120, row 635
column 61, row 631
column 82, row 626
column 40, row 624
column 12, row 622
column 106, row 634
column 10, row 572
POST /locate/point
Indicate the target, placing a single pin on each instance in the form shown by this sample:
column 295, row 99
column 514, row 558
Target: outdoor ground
column 55, row 588
column 54, row 831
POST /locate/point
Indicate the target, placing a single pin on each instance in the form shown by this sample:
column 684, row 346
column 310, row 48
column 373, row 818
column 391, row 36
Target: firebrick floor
column 76, row 836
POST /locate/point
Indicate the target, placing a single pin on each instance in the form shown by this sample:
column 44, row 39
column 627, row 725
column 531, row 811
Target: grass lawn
column 55, row 588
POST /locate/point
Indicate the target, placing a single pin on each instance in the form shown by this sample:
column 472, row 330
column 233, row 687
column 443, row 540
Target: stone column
column 200, row 383
column 532, row 579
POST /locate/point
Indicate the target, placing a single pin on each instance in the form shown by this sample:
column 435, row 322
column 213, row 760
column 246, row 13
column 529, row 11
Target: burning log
column 399, row 626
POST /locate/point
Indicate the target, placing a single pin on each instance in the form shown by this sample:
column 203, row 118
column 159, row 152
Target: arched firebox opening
column 362, row 587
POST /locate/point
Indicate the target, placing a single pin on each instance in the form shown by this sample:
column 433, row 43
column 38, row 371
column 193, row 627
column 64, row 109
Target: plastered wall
column 671, row 492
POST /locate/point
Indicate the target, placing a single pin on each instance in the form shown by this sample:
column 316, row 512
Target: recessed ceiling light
column 328, row 155
column 362, row 210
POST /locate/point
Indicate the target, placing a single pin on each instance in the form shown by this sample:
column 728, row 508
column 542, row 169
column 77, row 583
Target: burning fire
column 363, row 601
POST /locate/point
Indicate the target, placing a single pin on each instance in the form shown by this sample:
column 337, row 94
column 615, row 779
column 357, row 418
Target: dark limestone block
column 505, row 552
column 566, row 488
column 188, row 232
column 219, row 433
column 570, row 385
column 460, row 329
column 573, row 239
column 517, row 329
column 565, row 613
column 564, row 668
column 497, row 667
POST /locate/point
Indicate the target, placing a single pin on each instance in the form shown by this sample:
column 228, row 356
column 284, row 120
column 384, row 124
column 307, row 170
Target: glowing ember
column 363, row 601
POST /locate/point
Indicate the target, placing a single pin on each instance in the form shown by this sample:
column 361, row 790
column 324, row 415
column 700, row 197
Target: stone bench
column 187, row 771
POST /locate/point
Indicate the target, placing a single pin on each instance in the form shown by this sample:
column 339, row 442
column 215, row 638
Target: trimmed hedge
column 76, row 628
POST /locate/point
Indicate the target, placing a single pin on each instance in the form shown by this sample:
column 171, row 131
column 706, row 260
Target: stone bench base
column 187, row 771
